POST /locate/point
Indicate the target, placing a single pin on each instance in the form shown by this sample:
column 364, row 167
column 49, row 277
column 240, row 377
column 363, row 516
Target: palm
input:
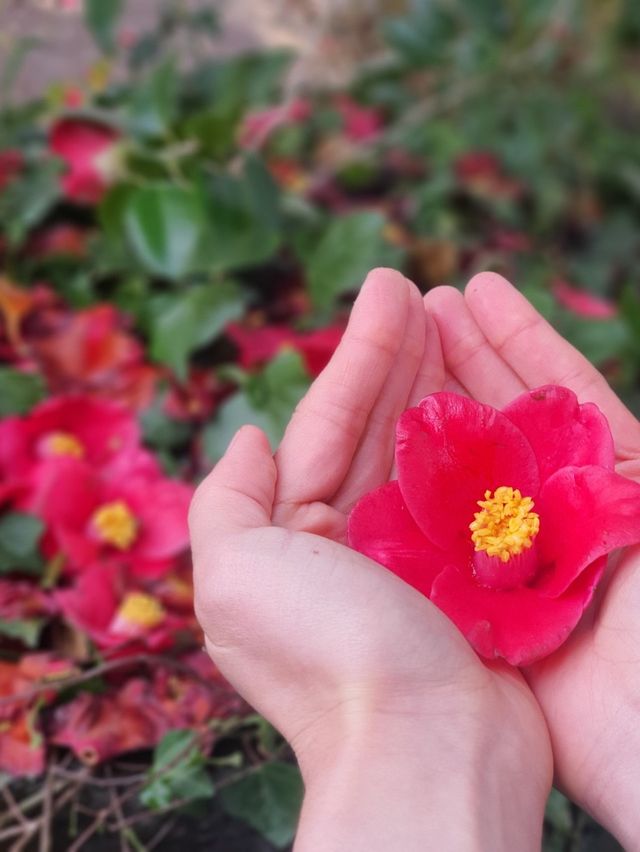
column 495, row 347
column 340, row 445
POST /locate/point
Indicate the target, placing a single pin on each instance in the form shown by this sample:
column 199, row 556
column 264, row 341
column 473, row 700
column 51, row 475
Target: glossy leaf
column 349, row 247
column 267, row 400
column 190, row 319
column 165, row 225
column 269, row 800
column 102, row 20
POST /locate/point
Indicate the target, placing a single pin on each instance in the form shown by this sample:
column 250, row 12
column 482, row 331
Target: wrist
column 457, row 781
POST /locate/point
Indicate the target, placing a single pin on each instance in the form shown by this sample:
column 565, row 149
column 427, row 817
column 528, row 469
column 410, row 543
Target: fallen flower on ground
column 504, row 519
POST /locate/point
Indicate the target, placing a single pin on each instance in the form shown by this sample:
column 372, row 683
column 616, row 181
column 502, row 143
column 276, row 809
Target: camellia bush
column 180, row 242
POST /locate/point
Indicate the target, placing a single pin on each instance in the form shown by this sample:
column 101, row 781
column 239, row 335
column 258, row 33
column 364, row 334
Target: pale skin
column 589, row 690
column 405, row 738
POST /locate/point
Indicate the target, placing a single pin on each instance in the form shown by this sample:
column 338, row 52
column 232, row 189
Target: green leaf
column 25, row 630
column 102, row 18
column 154, row 102
column 269, row 800
column 165, row 225
column 19, row 537
column 599, row 340
column 19, row 392
column 558, row 812
column 245, row 226
column 184, row 322
column 266, row 400
column 350, row 246
column 161, row 431
column 27, row 200
column 178, row 772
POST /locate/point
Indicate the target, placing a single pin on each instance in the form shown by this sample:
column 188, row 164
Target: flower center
column 506, row 525
column 140, row 610
column 63, row 444
column 115, row 524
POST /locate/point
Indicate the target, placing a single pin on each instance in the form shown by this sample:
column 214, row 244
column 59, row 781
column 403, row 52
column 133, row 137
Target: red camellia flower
column 91, row 153
column 102, row 433
column 582, row 303
column 138, row 521
column 91, row 351
column 361, row 123
column 127, row 618
column 504, row 519
column 258, row 345
column 260, row 125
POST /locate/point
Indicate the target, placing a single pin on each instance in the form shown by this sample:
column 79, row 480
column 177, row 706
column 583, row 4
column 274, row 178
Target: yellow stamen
column 141, row 610
column 506, row 525
column 116, row 524
column 64, row 444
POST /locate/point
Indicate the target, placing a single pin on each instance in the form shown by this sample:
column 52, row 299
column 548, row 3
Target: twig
column 45, row 820
column 90, row 830
column 13, row 806
column 92, row 781
column 157, row 839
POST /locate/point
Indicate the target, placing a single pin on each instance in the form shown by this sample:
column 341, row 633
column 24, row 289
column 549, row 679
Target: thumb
column 238, row 494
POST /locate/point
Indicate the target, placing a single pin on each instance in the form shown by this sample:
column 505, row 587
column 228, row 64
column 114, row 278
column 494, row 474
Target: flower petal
column 520, row 625
column 561, row 431
column 585, row 513
column 450, row 450
column 381, row 527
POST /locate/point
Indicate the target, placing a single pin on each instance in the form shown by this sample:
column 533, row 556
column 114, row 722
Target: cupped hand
column 495, row 347
column 342, row 656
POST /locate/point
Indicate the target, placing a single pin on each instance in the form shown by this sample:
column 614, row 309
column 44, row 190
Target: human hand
column 496, row 346
column 397, row 725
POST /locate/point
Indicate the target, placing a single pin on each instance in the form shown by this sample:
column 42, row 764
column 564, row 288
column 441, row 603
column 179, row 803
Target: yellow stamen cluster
column 64, row 444
column 506, row 525
column 115, row 524
column 141, row 610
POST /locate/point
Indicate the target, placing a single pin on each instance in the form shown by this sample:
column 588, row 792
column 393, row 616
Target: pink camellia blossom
column 138, row 521
column 260, row 125
column 122, row 617
column 91, row 152
column 102, row 433
column 361, row 123
column 504, row 519
column 582, row 303
column 258, row 345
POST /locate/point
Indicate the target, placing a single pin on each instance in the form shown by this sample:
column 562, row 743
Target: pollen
column 141, row 610
column 64, row 444
column 506, row 524
column 115, row 524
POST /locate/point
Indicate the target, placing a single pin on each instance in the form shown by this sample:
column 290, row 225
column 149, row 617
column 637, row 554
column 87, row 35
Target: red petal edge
column 381, row 528
column 585, row 513
column 520, row 625
column 561, row 431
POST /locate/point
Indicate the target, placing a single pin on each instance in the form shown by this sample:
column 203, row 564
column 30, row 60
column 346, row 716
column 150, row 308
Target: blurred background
column 190, row 195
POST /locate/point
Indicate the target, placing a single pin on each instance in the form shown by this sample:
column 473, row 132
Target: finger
column 468, row 355
column 540, row 356
column 373, row 458
column 237, row 494
column 431, row 373
column 326, row 428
